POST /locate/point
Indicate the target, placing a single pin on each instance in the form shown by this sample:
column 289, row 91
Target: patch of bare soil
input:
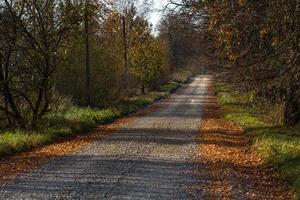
column 10, row 167
column 238, row 170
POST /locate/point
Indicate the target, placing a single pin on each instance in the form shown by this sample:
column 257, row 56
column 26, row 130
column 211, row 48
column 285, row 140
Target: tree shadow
column 94, row 177
column 117, row 177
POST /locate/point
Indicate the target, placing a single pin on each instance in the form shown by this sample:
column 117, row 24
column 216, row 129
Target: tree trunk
column 292, row 107
column 87, row 54
column 125, row 53
column 143, row 88
column 10, row 105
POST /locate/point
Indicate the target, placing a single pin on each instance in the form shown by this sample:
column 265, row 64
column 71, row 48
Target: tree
column 147, row 60
column 141, row 46
column 29, row 55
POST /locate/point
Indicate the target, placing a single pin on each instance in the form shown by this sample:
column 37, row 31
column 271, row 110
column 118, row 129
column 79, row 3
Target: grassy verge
column 279, row 146
column 76, row 120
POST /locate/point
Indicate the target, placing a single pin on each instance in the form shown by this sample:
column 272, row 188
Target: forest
column 67, row 66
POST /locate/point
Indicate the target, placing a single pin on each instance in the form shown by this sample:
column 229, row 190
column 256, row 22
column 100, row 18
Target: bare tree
column 29, row 55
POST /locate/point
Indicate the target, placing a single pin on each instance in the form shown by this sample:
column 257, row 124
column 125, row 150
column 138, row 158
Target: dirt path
column 155, row 156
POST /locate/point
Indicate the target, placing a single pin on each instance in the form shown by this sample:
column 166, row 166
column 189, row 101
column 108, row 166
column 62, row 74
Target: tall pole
column 87, row 53
column 125, row 52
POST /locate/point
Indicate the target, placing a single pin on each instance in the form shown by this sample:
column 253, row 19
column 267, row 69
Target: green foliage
column 278, row 145
column 147, row 60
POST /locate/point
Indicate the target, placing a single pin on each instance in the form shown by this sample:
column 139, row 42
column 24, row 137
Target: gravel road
column 152, row 157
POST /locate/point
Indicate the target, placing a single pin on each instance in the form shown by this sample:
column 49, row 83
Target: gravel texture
column 152, row 157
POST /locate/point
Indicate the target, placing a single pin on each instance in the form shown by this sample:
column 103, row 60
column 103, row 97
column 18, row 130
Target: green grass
column 18, row 141
column 130, row 105
column 76, row 120
column 279, row 146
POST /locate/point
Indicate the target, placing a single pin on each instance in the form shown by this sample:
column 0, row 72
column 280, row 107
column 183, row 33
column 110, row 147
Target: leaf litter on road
column 232, row 159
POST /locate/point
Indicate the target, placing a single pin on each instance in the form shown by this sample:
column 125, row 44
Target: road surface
column 152, row 157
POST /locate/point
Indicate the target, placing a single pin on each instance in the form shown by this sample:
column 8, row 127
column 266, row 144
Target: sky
column 156, row 12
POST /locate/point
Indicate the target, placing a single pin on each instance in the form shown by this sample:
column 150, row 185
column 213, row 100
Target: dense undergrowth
column 76, row 120
column 278, row 145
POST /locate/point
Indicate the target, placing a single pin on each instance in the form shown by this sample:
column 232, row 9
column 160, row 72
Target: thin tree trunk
column 143, row 88
column 87, row 54
column 125, row 53
column 292, row 107
column 10, row 103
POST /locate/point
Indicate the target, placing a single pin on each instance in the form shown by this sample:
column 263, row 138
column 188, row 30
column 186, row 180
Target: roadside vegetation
column 277, row 144
column 74, row 120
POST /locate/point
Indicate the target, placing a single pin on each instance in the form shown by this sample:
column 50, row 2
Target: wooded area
column 255, row 45
column 91, row 53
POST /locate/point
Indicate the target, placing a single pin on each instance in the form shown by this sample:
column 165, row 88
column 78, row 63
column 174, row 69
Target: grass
column 76, row 120
column 19, row 141
column 181, row 75
column 278, row 145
